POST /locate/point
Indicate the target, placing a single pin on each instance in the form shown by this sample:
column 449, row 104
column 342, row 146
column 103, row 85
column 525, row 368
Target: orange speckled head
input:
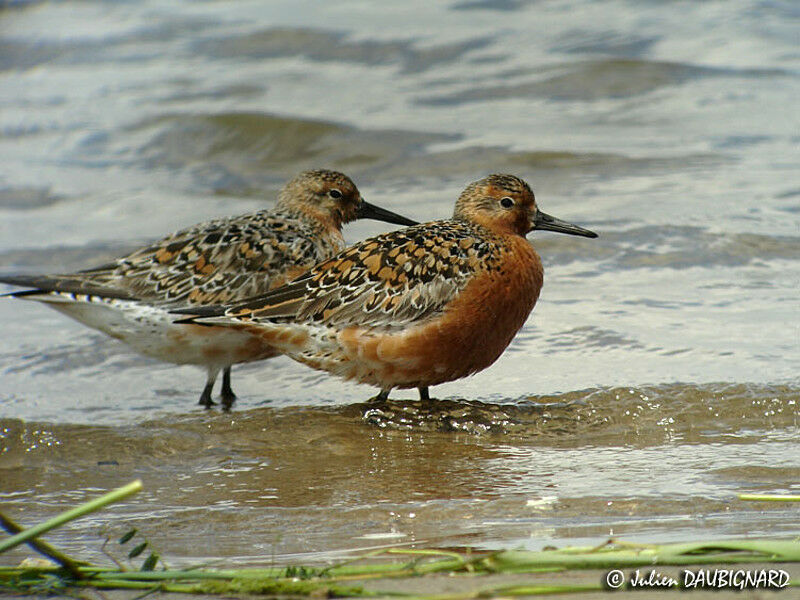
column 332, row 197
column 505, row 204
column 502, row 203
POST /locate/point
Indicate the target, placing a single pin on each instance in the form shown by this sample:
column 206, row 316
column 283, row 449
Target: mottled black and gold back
column 233, row 258
column 388, row 281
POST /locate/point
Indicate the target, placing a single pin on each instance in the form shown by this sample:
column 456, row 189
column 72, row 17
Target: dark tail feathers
column 66, row 284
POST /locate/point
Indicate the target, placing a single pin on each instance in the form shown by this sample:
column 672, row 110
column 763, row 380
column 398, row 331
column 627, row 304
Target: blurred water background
column 658, row 376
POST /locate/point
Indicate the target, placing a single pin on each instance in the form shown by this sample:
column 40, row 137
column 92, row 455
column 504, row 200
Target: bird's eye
column 506, row 202
column 335, row 194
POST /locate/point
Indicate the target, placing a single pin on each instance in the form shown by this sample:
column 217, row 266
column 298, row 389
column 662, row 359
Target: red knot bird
column 220, row 261
column 414, row 307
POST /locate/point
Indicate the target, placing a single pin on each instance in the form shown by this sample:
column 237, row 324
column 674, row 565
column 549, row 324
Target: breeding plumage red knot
column 220, row 261
column 413, row 307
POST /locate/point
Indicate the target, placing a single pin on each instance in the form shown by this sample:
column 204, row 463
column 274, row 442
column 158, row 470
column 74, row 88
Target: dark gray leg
column 205, row 397
column 227, row 395
column 423, row 393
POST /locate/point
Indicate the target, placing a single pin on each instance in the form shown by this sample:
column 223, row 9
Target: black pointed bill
column 370, row 211
column 548, row 223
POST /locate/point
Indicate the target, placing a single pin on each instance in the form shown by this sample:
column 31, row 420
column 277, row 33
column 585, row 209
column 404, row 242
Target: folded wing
column 384, row 282
column 212, row 263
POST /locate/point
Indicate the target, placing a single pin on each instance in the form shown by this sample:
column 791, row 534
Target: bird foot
column 227, row 400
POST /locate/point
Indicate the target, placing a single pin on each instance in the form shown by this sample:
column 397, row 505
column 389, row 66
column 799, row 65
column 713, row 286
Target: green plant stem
column 43, row 548
column 346, row 580
column 769, row 498
column 71, row 515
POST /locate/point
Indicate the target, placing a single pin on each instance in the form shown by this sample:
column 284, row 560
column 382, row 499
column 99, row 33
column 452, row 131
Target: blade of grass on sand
column 768, row 498
column 693, row 553
column 71, row 515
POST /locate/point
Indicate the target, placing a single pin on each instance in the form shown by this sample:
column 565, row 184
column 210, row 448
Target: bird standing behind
column 413, row 307
column 220, row 261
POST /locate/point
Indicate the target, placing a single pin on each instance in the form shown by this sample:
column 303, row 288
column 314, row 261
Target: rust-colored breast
column 472, row 332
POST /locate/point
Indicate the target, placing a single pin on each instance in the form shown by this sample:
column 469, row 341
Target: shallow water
column 655, row 380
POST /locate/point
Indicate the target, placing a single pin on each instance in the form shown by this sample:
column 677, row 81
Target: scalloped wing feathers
column 211, row 263
column 386, row 282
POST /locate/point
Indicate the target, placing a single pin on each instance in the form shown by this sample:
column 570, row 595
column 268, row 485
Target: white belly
column 151, row 331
